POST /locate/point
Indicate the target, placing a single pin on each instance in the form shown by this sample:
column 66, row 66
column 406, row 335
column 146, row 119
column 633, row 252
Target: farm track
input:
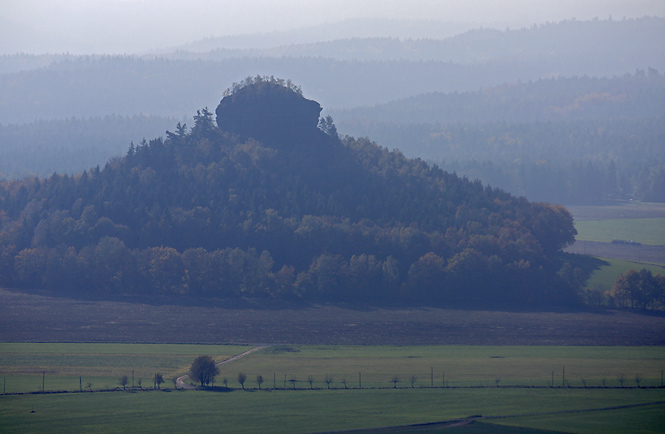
column 38, row 318
column 180, row 381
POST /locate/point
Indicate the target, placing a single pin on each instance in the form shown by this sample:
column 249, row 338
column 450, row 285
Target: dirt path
column 180, row 381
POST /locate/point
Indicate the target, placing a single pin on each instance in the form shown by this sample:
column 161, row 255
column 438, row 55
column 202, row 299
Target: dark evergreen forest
column 268, row 202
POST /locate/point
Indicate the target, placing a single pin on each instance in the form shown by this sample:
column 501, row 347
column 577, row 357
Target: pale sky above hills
column 130, row 26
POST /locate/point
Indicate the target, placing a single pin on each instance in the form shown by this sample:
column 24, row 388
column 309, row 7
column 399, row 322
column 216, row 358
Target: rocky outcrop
column 273, row 114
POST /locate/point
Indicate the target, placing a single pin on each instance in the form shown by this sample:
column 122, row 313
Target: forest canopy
column 264, row 205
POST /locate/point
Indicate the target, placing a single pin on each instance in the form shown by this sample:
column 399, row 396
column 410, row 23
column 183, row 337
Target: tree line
column 639, row 290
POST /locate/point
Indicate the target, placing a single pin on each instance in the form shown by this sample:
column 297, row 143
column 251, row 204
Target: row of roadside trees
column 204, row 370
column 158, row 380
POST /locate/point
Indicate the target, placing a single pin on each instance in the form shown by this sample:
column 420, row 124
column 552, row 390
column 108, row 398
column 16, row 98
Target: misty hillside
column 631, row 96
column 538, row 111
column 69, row 146
column 100, row 85
column 556, row 44
column 576, row 140
column 357, row 28
column 266, row 203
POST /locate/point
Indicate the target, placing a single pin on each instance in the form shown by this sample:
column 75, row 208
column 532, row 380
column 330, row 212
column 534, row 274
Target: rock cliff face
column 275, row 115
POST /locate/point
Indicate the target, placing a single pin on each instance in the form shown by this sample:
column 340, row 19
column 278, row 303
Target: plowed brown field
column 31, row 317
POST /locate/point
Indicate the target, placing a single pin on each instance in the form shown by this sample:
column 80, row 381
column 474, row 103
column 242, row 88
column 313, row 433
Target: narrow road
column 180, row 381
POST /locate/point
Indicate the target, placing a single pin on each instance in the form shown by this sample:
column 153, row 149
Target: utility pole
column 431, row 376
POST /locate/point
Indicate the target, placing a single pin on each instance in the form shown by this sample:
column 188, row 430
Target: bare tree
column 584, row 382
column 395, row 380
column 225, row 381
column 497, row 381
column 89, row 386
column 328, row 379
column 413, row 380
column 621, row 379
column 123, row 382
column 259, row 380
column 241, row 379
column 138, row 383
column 293, row 382
column 344, row 383
column 310, row 380
column 638, row 379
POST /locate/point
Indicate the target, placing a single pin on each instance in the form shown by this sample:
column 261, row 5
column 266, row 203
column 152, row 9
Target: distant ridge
column 353, row 28
column 443, row 42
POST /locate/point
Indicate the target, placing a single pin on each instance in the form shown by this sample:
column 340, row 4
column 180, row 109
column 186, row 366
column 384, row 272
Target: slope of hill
column 265, row 205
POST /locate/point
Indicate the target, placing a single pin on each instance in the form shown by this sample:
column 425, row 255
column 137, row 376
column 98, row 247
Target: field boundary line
column 180, row 381
column 548, row 413
column 472, row 419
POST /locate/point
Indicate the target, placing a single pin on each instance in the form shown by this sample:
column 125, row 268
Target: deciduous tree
column 159, row 380
column 241, row 379
column 203, row 370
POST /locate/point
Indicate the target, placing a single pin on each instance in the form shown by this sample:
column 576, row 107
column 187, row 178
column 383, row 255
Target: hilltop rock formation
column 269, row 112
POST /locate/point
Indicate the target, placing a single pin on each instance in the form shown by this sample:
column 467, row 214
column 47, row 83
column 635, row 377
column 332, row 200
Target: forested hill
column 265, row 204
column 576, row 140
column 630, row 96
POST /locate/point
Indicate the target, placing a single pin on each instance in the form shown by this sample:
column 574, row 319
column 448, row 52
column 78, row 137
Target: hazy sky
column 116, row 26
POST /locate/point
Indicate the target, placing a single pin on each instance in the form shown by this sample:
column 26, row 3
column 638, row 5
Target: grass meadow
column 607, row 274
column 24, row 366
column 649, row 231
column 450, row 366
column 71, row 366
column 477, row 380
column 308, row 411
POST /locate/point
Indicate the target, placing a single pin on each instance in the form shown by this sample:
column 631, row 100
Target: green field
column 471, row 374
column 322, row 410
column 643, row 230
column 23, row 366
column 457, row 366
column 607, row 274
